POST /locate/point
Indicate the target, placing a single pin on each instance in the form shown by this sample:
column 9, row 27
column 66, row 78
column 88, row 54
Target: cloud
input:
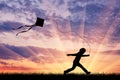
column 113, row 52
column 8, row 25
column 75, row 6
column 94, row 12
column 21, row 52
column 18, row 69
column 54, row 7
column 3, row 63
column 115, row 37
column 116, row 11
column 6, row 53
column 35, row 54
column 16, row 11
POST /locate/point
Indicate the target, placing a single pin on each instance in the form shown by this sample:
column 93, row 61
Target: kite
column 39, row 22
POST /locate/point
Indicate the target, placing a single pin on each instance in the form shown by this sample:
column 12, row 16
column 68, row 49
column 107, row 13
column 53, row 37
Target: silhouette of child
column 76, row 61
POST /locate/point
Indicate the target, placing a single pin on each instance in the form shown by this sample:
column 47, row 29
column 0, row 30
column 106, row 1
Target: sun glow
column 89, row 24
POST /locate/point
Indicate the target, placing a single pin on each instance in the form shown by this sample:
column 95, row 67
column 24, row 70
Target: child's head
column 82, row 50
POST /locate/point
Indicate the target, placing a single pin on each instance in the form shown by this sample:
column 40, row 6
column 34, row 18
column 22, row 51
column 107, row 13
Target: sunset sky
column 69, row 25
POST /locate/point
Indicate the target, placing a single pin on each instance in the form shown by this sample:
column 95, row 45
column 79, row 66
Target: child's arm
column 71, row 54
column 85, row 55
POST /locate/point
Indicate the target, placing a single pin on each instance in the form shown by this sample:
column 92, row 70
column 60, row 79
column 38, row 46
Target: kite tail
column 17, row 28
column 24, row 31
column 22, row 26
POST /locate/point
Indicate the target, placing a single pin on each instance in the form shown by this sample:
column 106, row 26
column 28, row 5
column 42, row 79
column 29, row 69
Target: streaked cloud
column 113, row 52
column 35, row 54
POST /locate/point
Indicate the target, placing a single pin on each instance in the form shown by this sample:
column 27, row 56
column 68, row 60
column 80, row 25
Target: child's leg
column 70, row 69
column 85, row 70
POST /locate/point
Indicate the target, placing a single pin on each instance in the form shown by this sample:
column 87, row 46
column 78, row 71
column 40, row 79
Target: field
column 59, row 77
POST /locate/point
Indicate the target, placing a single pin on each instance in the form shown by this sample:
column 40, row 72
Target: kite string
column 83, row 38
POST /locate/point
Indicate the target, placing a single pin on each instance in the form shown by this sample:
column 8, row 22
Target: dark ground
column 59, row 77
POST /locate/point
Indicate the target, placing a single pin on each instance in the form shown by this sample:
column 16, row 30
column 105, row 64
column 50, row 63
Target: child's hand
column 68, row 54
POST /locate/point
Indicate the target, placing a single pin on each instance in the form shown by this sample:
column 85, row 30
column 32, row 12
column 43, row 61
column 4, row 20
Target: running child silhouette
column 76, row 61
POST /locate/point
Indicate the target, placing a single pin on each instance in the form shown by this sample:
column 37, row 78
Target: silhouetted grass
column 59, row 77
